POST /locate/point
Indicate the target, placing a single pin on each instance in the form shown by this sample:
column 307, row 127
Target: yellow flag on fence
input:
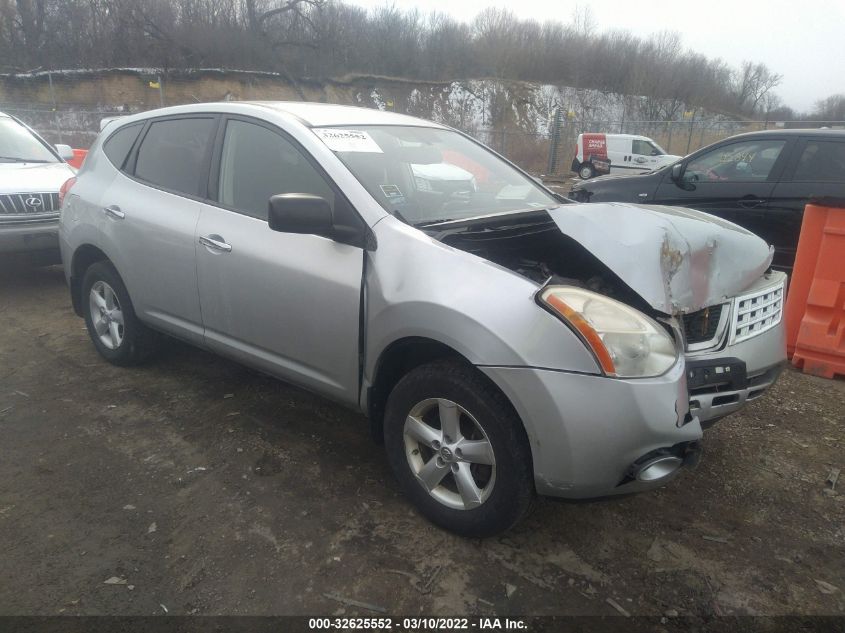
column 155, row 84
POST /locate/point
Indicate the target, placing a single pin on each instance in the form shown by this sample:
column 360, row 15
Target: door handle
column 750, row 202
column 215, row 242
column 113, row 211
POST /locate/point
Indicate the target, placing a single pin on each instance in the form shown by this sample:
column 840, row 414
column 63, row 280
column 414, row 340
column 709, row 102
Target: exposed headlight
column 626, row 342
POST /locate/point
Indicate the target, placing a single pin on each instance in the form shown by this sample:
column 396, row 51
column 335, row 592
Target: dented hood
column 679, row 260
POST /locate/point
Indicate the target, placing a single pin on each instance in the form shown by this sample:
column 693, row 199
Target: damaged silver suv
column 502, row 341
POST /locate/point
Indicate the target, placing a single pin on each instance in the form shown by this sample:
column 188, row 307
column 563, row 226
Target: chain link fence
column 548, row 154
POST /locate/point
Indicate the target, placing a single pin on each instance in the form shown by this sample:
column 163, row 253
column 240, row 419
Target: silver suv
column 502, row 341
column 31, row 175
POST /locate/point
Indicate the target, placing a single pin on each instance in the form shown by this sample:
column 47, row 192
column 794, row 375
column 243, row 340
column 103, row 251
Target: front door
column 733, row 181
column 285, row 303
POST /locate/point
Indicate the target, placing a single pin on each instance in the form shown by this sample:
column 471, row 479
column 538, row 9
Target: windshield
column 427, row 175
column 18, row 145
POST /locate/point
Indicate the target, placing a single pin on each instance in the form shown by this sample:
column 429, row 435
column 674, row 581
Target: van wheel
column 117, row 333
column 458, row 449
column 587, row 171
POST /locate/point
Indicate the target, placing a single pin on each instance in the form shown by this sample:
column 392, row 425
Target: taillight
column 65, row 189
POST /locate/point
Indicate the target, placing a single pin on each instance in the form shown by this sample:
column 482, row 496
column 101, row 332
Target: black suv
column 760, row 180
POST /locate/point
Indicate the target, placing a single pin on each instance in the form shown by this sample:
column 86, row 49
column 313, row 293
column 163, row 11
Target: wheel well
column 84, row 256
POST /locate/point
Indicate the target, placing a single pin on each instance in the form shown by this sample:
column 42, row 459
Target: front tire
column 458, row 449
column 114, row 329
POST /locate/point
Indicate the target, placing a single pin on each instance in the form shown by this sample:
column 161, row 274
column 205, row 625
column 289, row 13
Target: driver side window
column 256, row 164
column 642, row 148
column 749, row 161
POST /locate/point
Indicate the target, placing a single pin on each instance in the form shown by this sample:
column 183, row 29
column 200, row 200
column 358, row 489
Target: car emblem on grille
column 33, row 202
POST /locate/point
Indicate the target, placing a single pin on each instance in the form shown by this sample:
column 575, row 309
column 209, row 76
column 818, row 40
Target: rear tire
column 446, row 424
column 114, row 329
column 587, row 171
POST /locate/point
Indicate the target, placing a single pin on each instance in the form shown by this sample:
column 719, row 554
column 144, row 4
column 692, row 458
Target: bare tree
column 752, row 83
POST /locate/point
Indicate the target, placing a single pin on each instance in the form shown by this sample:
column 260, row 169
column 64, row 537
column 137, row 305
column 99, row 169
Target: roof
column 326, row 114
column 814, row 131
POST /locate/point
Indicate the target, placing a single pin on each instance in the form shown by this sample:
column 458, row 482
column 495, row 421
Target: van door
column 285, row 303
column 644, row 154
column 733, row 181
column 618, row 151
column 150, row 216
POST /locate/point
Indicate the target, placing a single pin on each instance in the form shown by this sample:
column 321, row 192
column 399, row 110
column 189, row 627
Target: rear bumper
column 24, row 237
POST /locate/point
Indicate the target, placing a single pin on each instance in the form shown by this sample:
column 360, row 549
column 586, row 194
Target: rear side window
column 173, row 153
column 117, row 146
column 821, row 161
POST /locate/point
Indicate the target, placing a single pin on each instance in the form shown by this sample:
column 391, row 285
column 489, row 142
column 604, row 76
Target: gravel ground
column 202, row 487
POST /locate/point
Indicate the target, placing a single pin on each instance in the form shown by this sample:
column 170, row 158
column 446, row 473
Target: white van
column 597, row 154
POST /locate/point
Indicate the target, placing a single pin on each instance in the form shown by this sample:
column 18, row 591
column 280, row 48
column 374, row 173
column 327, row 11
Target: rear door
column 733, row 180
column 286, row 303
column 816, row 169
column 619, row 153
column 151, row 212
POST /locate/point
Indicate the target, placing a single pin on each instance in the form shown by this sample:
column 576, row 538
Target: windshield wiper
column 487, row 216
column 15, row 159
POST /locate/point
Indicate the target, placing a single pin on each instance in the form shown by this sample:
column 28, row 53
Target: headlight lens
column 626, row 342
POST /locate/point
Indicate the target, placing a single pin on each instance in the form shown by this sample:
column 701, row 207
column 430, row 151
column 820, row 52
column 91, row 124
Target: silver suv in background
column 31, row 175
column 502, row 342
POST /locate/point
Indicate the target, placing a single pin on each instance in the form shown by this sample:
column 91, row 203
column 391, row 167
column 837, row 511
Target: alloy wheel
column 449, row 453
column 106, row 314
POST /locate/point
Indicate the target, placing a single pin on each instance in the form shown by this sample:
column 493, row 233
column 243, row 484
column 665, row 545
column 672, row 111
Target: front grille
column 756, row 313
column 29, row 203
column 703, row 325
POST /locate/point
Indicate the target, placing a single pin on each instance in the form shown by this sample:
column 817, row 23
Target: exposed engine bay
column 534, row 247
column 675, row 261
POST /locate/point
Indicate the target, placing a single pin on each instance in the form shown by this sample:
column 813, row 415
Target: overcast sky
column 803, row 41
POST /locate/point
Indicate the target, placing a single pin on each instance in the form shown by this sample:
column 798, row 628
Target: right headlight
column 625, row 341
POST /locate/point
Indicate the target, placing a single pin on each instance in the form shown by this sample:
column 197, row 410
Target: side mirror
column 64, row 151
column 300, row 213
column 677, row 172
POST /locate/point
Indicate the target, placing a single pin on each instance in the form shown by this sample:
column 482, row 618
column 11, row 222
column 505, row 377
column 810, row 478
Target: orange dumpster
column 815, row 305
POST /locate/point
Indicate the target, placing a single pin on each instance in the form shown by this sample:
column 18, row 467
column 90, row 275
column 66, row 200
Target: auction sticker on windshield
column 347, row 140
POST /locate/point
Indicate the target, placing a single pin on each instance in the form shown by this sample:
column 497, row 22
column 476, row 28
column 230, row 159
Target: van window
column 117, row 146
column 172, row 154
column 748, row 161
column 821, row 161
column 256, row 164
column 646, row 148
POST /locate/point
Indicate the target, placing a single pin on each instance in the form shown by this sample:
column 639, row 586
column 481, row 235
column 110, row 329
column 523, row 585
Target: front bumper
column 589, row 433
column 764, row 356
column 31, row 236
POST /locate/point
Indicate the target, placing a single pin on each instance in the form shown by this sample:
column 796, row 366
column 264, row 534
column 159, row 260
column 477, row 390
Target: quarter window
column 256, row 164
column 117, row 146
column 821, row 161
column 749, row 161
column 172, row 154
